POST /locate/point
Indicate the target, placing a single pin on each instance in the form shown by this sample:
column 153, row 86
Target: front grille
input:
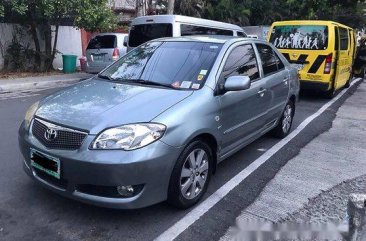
column 65, row 138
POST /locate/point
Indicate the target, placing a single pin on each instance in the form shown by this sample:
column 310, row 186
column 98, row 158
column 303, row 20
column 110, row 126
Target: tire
column 329, row 94
column 348, row 83
column 283, row 127
column 182, row 194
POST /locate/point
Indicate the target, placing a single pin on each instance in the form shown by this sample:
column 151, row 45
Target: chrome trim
column 59, row 128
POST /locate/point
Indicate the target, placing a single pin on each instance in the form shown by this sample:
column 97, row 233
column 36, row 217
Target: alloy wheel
column 287, row 119
column 194, row 174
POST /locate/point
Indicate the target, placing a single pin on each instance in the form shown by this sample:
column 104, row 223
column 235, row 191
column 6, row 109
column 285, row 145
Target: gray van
column 104, row 49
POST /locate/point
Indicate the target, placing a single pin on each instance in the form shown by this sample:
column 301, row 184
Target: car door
column 242, row 112
column 276, row 77
column 344, row 61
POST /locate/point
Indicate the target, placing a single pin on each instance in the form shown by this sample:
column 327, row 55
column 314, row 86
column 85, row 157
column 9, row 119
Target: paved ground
column 12, row 87
column 326, row 170
column 29, row 212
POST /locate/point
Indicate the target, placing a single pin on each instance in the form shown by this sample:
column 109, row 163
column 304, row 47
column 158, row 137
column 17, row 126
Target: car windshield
column 143, row 33
column 311, row 37
column 180, row 65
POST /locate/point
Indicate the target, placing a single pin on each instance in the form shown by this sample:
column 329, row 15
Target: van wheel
column 348, row 84
column 329, row 94
column 191, row 175
column 285, row 123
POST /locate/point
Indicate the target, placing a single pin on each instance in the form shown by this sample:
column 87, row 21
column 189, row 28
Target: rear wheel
column 285, row 123
column 329, row 94
column 348, row 84
column 191, row 175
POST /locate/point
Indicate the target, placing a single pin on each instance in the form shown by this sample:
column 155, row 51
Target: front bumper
column 149, row 167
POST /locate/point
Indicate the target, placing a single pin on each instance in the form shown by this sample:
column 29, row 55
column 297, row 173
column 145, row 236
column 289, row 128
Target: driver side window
column 241, row 62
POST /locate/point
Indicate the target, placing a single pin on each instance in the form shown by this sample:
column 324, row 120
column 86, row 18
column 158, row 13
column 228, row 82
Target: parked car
column 155, row 124
column 323, row 52
column 147, row 28
column 104, row 49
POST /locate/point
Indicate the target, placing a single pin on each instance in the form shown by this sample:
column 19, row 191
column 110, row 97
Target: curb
column 38, row 85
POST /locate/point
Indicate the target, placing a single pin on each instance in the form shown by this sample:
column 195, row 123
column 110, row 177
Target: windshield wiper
column 105, row 77
column 149, row 82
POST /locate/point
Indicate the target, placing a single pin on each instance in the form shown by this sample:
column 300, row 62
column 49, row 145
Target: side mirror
column 125, row 41
column 237, row 83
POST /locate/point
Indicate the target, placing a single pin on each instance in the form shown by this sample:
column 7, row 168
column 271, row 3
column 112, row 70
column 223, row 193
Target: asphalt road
column 30, row 212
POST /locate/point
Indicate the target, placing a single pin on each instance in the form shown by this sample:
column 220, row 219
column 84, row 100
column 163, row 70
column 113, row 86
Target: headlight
column 129, row 137
column 30, row 113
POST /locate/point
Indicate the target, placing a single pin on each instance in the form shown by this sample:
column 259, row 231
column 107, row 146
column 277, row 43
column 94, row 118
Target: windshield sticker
column 200, row 77
column 196, row 86
column 186, row 85
column 203, row 72
column 176, row 84
column 300, row 37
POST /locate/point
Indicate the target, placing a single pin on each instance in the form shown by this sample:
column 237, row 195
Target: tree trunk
column 38, row 59
column 47, row 57
column 171, row 6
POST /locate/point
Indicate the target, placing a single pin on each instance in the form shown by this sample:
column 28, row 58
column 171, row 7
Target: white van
column 147, row 28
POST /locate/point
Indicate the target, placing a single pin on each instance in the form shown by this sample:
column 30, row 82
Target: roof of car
column 207, row 38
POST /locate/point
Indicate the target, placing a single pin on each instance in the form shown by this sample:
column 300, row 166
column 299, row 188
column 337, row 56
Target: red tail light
column 328, row 64
column 115, row 55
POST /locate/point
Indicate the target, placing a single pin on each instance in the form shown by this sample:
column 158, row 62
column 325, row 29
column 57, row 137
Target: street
column 30, row 212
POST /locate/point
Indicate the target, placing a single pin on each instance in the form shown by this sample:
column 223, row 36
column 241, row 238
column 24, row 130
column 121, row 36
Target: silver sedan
column 155, row 124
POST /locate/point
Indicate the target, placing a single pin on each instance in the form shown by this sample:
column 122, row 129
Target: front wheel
column 285, row 123
column 191, row 175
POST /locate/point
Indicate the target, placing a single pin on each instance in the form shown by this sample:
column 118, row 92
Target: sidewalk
column 315, row 185
column 39, row 82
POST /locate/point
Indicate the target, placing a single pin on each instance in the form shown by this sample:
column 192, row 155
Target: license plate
column 98, row 57
column 45, row 163
column 298, row 66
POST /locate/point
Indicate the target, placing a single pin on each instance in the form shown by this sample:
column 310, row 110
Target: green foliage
column 264, row 12
column 18, row 55
column 39, row 15
column 94, row 15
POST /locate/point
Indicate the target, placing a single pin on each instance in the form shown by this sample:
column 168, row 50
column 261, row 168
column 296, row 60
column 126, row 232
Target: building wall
column 69, row 41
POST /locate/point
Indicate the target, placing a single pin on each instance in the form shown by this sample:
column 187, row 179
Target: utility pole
column 171, row 6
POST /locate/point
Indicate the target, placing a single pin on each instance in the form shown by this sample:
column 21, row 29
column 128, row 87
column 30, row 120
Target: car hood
column 94, row 105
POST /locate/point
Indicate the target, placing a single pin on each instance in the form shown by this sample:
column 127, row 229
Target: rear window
column 311, row 37
column 103, row 42
column 187, row 30
column 143, row 33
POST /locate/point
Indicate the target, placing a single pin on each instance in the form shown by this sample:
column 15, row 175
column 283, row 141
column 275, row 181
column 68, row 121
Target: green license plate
column 45, row 163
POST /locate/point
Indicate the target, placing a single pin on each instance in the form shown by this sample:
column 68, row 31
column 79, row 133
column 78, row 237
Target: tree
column 43, row 17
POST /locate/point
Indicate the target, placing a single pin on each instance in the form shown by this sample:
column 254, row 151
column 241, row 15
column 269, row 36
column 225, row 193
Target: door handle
column 285, row 81
column 261, row 92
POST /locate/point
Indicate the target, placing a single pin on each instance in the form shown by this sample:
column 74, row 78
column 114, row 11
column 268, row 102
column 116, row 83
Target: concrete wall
column 69, row 41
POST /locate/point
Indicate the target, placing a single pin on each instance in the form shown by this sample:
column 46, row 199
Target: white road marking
column 191, row 217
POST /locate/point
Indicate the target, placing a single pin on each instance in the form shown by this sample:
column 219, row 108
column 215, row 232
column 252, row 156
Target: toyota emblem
column 50, row 134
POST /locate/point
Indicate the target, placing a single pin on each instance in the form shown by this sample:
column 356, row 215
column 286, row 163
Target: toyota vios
column 155, row 124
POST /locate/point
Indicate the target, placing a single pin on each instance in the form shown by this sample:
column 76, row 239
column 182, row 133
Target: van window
column 343, row 33
column 242, row 61
column 103, row 42
column 143, row 33
column 310, row 37
column 242, row 34
column 270, row 62
column 187, row 30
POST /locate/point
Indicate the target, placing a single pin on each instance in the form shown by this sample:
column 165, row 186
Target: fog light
column 125, row 191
